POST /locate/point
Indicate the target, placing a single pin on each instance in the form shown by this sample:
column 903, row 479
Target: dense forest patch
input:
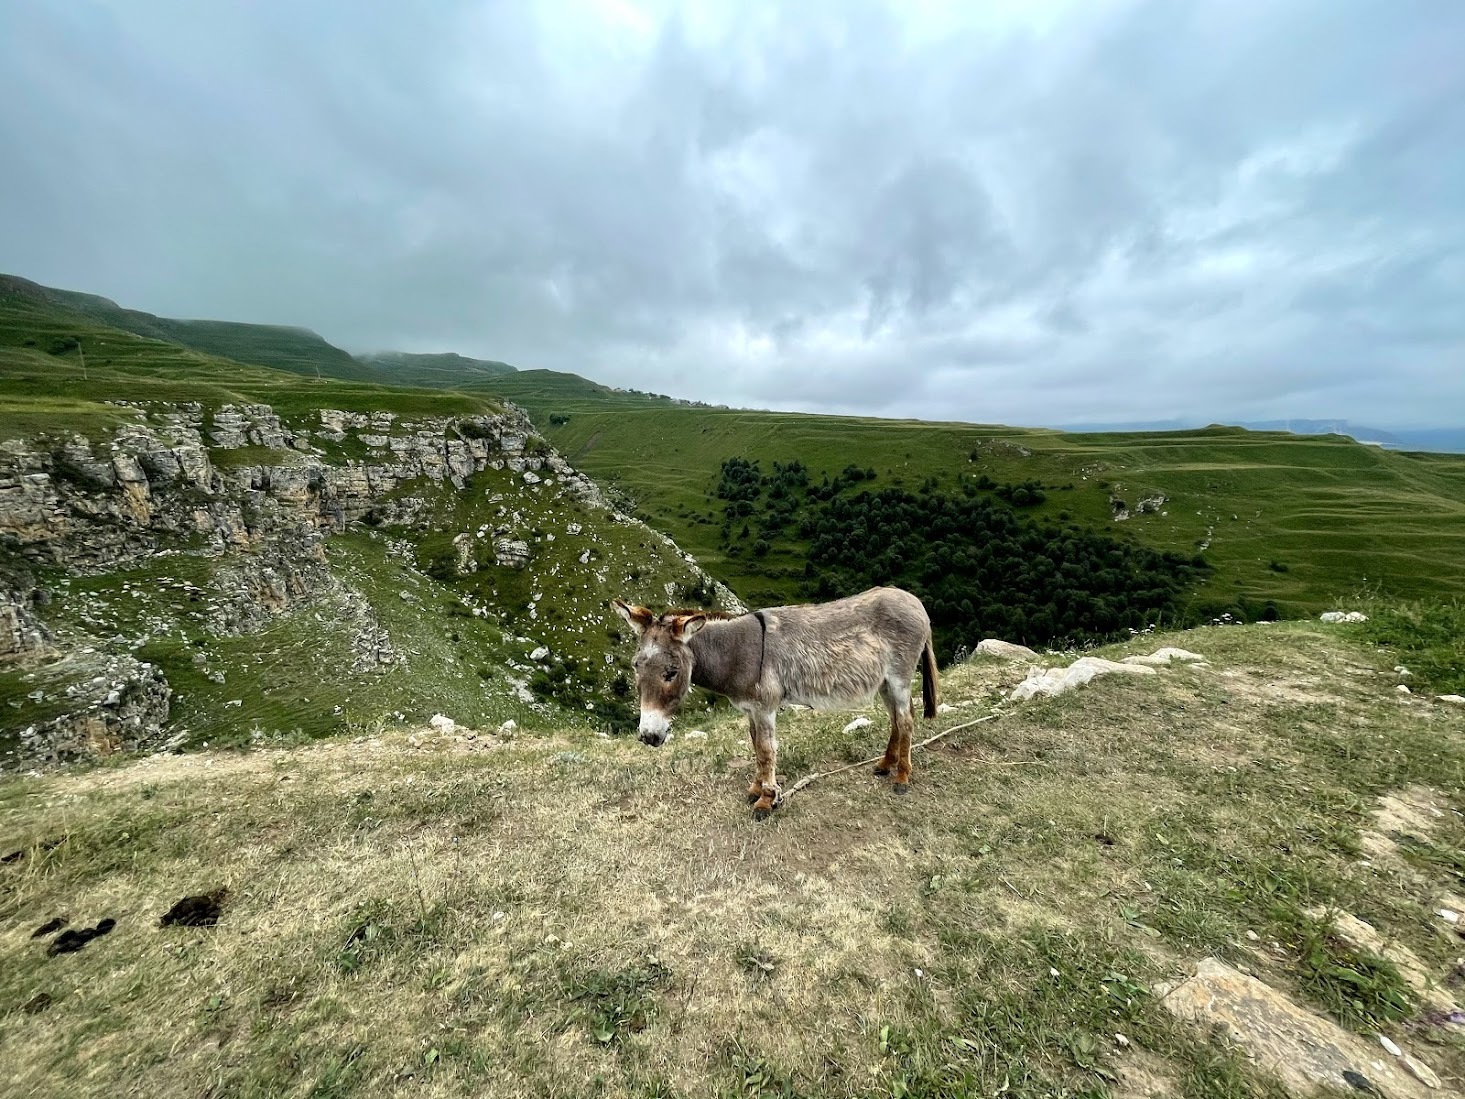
column 982, row 567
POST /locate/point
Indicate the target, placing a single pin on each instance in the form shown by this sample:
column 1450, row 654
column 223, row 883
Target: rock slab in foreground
column 1301, row 1049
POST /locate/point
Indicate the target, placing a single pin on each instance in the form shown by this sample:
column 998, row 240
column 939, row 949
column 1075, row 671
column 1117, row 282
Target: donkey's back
column 841, row 653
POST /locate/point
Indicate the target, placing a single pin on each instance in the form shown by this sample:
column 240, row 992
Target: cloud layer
column 1018, row 212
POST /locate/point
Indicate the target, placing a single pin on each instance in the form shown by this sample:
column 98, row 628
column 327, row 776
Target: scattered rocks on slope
column 114, row 703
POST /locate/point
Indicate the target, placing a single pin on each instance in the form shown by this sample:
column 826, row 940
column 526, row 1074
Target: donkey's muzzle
column 655, row 728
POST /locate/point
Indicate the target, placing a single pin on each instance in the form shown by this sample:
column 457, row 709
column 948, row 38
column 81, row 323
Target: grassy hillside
column 297, row 350
column 1300, row 521
column 446, row 370
column 444, row 915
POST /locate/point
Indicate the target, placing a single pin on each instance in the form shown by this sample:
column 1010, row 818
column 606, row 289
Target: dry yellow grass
column 571, row 916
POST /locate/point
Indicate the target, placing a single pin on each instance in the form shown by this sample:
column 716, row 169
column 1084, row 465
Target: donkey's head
column 663, row 665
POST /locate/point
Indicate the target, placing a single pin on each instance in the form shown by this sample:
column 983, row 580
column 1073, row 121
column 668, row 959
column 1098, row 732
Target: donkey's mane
column 716, row 616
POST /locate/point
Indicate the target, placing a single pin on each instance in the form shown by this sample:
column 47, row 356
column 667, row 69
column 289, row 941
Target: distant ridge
column 1445, row 440
column 282, row 347
column 297, row 350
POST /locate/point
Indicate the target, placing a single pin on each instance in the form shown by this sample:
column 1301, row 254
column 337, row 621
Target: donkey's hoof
column 882, row 772
column 753, row 797
column 901, row 788
column 761, row 812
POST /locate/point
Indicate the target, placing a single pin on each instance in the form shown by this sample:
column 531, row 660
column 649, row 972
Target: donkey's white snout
column 655, row 728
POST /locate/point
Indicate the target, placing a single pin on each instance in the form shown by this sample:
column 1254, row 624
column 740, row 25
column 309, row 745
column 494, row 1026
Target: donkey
column 827, row 656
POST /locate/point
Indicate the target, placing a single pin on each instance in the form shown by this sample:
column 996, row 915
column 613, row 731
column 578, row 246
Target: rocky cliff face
column 256, row 497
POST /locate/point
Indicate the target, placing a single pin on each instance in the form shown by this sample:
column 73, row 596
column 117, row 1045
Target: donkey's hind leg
column 891, row 757
column 897, row 695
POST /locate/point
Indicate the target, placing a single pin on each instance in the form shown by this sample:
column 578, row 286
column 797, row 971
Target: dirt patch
column 1265, row 687
column 1142, row 1075
column 1411, row 813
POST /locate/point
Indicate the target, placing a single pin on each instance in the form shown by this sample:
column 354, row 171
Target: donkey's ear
column 684, row 626
column 638, row 617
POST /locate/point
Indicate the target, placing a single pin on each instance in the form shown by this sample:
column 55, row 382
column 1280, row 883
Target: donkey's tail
column 928, row 678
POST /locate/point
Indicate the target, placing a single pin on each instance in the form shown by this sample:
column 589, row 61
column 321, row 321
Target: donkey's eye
column 670, row 674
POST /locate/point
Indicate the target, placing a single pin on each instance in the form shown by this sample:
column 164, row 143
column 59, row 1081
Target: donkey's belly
column 856, row 701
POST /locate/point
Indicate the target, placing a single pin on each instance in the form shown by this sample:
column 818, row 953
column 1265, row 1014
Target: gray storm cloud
column 1017, row 212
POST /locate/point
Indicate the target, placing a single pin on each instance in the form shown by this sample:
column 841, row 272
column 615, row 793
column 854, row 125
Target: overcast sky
column 1024, row 212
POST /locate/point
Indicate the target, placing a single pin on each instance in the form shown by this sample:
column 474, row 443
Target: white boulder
column 1051, row 682
column 1167, row 655
column 442, row 723
column 1343, row 616
column 1005, row 650
column 858, row 723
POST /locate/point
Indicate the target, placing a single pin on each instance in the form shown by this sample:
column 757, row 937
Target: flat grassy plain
column 1339, row 517
column 560, row 915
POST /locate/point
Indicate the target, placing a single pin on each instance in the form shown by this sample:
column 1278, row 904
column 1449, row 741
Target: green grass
column 567, row 915
column 1338, row 515
column 1426, row 636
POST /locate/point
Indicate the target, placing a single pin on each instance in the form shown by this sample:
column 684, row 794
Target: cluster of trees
column 985, row 571
column 982, row 568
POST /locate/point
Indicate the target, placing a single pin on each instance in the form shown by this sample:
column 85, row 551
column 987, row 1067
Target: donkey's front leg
column 764, row 791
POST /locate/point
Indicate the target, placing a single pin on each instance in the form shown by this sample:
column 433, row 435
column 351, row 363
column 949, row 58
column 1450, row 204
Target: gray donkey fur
column 827, row 656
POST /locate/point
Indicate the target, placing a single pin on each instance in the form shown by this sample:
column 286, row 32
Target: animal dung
column 49, row 927
column 202, row 910
column 69, row 942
